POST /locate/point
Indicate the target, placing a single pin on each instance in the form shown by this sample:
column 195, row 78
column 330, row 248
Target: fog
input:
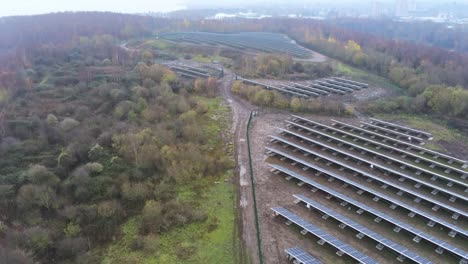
column 23, row 7
column 30, row 7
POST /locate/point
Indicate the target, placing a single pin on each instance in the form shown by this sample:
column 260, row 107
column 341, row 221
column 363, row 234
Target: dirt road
column 245, row 216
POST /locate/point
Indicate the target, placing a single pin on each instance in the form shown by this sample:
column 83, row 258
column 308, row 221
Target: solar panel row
column 267, row 86
column 301, row 256
column 450, row 180
column 371, row 134
column 398, row 187
column 352, row 86
column 190, row 71
column 400, row 150
column 396, row 134
column 331, row 240
column 363, row 230
column 418, row 233
column 377, row 194
column 403, row 128
column 364, row 85
column 276, row 43
column 407, row 146
column 385, row 169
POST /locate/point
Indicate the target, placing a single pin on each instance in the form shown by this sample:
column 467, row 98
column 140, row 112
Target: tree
column 135, row 192
column 40, row 175
column 152, row 217
column 30, row 196
column 15, row 256
column 296, row 104
column 37, row 240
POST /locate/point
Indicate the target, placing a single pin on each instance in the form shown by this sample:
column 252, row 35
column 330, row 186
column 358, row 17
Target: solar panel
column 373, row 192
column 355, row 87
column 301, row 256
column 389, row 131
column 402, row 127
column 363, row 230
column 316, row 231
column 407, row 145
column 371, row 151
column 271, row 87
column 377, row 213
column 435, row 187
column 383, row 181
column 352, row 82
column 431, row 161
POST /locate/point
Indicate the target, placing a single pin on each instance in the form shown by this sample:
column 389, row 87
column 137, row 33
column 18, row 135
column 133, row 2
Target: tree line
column 423, row 71
column 81, row 153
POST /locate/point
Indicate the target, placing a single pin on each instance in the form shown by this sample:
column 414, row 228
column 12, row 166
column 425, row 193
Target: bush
column 39, row 174
column 137, row 244
column 94, row 167
column 15, row 256
column 151, row 217
column 71, row 247
column 68, row 124
column 51, row 119
column 37, row 240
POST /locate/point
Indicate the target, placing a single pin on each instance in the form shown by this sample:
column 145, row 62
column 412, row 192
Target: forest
column 451, row 37
column 95, row 135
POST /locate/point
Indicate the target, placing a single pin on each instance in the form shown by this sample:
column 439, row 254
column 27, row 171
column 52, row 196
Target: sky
column 31, row 7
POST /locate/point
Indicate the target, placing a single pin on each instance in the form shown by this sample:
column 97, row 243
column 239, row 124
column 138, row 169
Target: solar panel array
column 375, row 212
column 402, row 176
column 445, row 167
column 300, row 256
column 260, row 41
column 377, row 194
column 190, row 72
column 321, row 87
column 406, row 130
column 331, row 240
column 383, row 181
column 369, row 161
column 363, row 230
column 330, row 132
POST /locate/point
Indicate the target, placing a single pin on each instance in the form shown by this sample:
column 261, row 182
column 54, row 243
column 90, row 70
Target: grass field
column 215, row 240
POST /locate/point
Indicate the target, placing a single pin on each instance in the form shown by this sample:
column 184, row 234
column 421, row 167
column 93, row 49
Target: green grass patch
column 202, row 59
column 157, row 44
column 214, row 240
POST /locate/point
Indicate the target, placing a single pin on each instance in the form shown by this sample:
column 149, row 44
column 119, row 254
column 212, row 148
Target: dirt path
column 245, row 213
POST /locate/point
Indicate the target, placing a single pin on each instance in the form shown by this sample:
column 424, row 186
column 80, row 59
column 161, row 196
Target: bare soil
column 273, row 190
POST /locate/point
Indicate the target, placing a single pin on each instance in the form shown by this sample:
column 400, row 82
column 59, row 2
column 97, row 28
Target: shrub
column 15, row 256
column 68, row 124
column 51, row 119
column 151, row 217
column 39, row 174
column 94, row 167
column 71, row 247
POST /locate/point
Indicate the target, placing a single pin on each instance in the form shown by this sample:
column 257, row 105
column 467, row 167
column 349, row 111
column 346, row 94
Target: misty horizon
column 36, row 7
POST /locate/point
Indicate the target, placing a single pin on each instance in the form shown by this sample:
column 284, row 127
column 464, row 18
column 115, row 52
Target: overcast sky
column 29, row 7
